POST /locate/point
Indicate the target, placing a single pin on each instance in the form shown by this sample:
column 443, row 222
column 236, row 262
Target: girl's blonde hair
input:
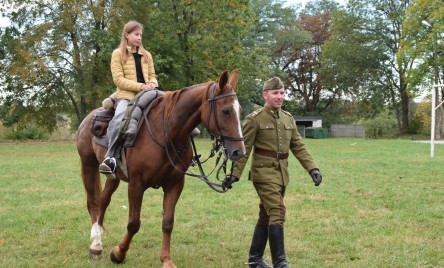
column 130, row 27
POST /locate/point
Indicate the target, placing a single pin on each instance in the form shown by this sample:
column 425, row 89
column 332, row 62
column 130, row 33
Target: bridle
column 212, row 100
column 218, row 148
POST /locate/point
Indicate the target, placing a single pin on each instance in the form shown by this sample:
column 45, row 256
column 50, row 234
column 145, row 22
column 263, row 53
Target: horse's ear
column 223, row 80
column 233, row 79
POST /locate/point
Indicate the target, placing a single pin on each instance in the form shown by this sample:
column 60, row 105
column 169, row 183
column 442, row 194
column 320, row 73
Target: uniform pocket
column 288, row 131
column 267, row 131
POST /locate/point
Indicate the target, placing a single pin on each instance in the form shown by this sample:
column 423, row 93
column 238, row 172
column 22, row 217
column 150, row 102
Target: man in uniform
column 271, row 133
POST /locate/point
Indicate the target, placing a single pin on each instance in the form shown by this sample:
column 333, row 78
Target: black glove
column 229, row 179
column 316, row 176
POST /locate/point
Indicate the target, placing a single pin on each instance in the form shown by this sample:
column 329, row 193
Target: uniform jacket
column 125, row 76
column 277, row 132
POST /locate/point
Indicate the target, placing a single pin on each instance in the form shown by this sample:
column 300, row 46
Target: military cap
column 273, row 83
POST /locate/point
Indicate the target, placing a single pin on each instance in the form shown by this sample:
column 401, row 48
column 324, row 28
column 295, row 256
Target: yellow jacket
column 125, row 77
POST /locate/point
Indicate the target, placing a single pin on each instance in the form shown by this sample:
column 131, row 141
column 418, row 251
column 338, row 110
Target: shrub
column 26, row 134
column 382, row 125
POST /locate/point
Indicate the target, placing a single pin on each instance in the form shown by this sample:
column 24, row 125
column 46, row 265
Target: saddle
column 129, row 127
column 131, row 122
column 101, row 121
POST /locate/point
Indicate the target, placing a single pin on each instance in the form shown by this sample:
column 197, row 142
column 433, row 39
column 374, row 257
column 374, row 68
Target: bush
column 382, row 125
column 26, row 134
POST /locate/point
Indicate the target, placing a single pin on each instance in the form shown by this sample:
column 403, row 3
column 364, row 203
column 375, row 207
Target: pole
column 432, row 132
column 434, row 107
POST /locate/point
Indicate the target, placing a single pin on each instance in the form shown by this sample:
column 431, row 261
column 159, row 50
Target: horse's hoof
column 114, row 258
column 95, row 254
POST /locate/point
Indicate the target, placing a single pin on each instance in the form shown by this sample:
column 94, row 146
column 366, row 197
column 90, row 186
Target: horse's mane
column 172, row 97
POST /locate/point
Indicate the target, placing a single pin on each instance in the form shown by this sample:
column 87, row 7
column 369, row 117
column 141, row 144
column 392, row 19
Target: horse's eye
column 226, row 111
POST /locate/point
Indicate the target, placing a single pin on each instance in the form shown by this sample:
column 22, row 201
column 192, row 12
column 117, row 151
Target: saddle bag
column 100, row 122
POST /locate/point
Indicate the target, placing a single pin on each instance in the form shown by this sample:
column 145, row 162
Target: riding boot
column 258, row 243
column 276, row 237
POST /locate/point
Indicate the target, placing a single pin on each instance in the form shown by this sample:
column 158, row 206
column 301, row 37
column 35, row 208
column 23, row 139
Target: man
column 270, row 133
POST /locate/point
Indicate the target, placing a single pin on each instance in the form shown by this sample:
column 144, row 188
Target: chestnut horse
column 171, row 120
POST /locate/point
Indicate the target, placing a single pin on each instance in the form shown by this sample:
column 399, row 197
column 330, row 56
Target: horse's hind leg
column 96, row 201
column 93, row 188
column 96, row 247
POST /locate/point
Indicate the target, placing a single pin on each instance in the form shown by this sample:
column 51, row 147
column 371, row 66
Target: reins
column 217, row 149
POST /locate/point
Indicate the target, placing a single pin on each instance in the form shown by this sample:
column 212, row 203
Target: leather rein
column 218, row 148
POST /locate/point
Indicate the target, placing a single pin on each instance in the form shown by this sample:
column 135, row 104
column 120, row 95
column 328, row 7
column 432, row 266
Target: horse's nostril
column 237, row 154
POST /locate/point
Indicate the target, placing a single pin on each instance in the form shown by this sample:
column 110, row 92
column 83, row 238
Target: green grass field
column 381, row 204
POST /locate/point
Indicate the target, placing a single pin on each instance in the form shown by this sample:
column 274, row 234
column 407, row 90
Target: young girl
column 133, row 71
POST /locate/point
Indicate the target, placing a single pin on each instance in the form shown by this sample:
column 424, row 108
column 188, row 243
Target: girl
column 132, row 69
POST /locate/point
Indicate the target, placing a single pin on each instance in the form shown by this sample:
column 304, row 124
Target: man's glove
column 229, row 179
column 316, row 176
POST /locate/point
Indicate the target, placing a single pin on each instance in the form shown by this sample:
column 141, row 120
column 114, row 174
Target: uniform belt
column 267, row 153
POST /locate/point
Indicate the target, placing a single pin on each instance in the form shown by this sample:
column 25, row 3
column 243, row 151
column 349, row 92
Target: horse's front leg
column 135, row 196
column 172, row 194
column 96, row 247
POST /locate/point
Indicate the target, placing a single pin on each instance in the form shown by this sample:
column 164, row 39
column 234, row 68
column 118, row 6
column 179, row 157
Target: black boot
column 258, row 243
column 276, row 237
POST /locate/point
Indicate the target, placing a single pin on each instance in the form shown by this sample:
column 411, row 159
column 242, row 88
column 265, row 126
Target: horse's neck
column 186, row 114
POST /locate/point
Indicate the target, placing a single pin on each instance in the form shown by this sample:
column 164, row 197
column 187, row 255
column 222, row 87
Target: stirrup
column 108, row 167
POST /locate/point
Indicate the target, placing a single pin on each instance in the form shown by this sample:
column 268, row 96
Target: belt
column 267, row 153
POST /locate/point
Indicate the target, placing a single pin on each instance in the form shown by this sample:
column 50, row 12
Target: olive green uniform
column 273, row 131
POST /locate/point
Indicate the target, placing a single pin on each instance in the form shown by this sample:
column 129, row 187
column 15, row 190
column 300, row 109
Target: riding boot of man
column 108, row 166
column 257, row 248
column 259, row 241
column 276, row 238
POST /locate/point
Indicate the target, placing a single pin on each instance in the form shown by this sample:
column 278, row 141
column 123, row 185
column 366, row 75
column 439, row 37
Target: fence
column 337, row 130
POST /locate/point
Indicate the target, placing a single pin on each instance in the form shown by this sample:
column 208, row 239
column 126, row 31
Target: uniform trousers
column 271, row 208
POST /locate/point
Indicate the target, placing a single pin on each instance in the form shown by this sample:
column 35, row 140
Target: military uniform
column 270, row 133
column 273, row 132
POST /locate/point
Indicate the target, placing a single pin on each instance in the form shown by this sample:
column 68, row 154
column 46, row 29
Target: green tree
column 424, row 43
column 297, row 52
column 194, row 41
column 382, row 20
column 351, row 64
column 57, row 59
column 58, row 52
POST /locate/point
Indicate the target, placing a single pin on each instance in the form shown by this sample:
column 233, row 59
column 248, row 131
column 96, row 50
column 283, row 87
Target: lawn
column 381, row 204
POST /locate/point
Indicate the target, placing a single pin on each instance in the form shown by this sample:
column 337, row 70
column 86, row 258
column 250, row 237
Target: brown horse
column 172, row 118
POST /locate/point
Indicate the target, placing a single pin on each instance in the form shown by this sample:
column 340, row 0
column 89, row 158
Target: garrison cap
column 273, row 83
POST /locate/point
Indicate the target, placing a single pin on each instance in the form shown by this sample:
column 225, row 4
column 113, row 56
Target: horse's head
column 222, row 118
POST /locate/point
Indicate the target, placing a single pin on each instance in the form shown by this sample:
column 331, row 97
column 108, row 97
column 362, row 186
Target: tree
column 194, row 41
column 382, row 20
column 422, row 42
column 57, row 59
column 351, row 64
column 60, row 51
column 297, row 53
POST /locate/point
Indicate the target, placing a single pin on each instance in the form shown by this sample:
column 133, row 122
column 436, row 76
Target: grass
column 381, row 204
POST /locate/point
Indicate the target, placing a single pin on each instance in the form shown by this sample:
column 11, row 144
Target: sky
column 4, row 22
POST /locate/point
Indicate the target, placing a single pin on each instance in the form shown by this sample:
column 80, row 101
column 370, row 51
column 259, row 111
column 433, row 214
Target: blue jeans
column 113, row 127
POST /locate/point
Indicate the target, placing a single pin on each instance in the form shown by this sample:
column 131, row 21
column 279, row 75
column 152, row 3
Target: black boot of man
column 258, row 243
column 276, row 238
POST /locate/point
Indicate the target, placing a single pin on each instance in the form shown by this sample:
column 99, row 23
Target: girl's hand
column 149, row 86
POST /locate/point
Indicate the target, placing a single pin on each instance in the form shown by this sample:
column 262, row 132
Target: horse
column 160, row 156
